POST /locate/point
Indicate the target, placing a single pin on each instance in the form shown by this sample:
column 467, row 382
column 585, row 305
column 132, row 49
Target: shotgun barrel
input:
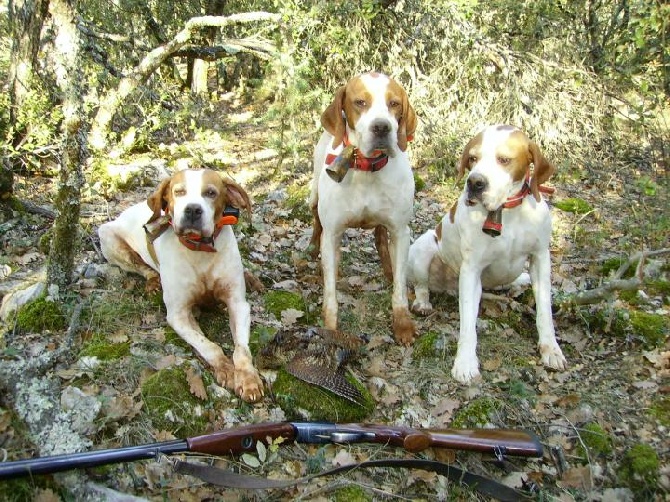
column 233, row 441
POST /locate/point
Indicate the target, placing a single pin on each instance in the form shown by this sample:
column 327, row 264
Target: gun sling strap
column 229, row 479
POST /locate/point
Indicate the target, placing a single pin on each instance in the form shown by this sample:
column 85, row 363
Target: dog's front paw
column 404, row 328
column 422, row 308
column 248, row 385
column 552, row 356
column 466, row 369
column 225, row 375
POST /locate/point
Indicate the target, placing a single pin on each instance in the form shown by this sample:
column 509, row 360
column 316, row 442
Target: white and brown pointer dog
column 499, row 222
column 193, row 255
column 367, row 128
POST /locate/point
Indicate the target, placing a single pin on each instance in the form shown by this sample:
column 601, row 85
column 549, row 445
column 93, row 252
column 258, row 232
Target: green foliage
column 278, row 301
column 660, row 410
column 639, row 470
column 651, row 330
column 595, row 442
column 426, row 346
column 296, row 397
column 573, row 205
column 41, row 315
column 296, row 202
column 351, row 493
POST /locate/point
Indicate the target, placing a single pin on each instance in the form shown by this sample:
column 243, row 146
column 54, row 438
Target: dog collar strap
column 358, row 161
column 493, row 223
column 197, row 243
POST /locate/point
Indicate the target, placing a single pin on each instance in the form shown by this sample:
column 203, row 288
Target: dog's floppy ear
column 464, row 164
column 158, row 200
column 407, row 124
column 236, row 196
column 542, row 170
column 332, row 120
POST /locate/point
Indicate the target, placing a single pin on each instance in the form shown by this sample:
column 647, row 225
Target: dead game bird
column 315, row 355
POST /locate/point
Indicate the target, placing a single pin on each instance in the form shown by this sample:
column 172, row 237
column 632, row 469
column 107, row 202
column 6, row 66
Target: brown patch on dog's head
column 332, row 120
column 470, row 155
column 398, row 104
column 158, row 200
column 542, row 169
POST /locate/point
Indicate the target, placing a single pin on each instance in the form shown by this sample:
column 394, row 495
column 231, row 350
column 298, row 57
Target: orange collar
column 359, row 161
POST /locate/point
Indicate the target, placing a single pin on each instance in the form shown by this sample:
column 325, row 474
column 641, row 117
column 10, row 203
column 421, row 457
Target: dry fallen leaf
column 578, row 477
column 290, row 316
column 195, row 384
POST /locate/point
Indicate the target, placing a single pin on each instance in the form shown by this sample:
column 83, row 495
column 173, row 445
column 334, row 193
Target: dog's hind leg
column 382, row 245
column 118, row 252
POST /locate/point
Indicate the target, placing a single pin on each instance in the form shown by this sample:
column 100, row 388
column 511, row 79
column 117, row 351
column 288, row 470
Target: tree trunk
column 26, row 18
column 69, row 77
column 110, row 103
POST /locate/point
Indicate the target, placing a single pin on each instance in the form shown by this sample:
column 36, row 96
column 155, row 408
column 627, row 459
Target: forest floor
column 591, row 418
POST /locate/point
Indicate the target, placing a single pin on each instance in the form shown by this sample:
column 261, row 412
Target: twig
column 617, row 283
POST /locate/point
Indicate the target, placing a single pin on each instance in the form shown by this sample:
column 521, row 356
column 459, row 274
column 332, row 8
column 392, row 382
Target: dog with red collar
column 181, row 240
column 499, row 222
column 363, row 179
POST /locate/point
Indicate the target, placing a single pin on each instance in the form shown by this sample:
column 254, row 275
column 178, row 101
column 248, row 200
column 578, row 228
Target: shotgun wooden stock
column 500, row 442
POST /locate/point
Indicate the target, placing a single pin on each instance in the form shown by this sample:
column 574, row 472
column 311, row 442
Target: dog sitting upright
column 499, row 221
column 193, row 255
column 363, row 179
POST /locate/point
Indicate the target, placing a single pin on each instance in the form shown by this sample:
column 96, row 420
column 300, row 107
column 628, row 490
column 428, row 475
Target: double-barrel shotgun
column 238, row 440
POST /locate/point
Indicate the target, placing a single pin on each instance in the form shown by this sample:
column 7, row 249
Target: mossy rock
column 595, row 441
column 426, row 346
column 171, row 406
column 639, row 471
column 652, row 329
column 350, row 493
column 41, row 315
column 660, row 410
column 278, row 301
column 104, row 350
column 477, row 413
column 296, row 397
column 573, row 205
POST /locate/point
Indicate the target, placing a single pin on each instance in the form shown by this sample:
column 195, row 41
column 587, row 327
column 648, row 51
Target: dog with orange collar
column 498, row 223
column 363, row 179
column 181, row 240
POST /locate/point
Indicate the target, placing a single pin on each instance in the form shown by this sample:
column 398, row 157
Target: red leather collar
column 196, row 242
column 493, row 223
column 360, row 162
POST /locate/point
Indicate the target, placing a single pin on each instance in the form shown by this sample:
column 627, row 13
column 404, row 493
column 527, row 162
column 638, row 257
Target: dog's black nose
column 193, row 213
column 380, row 127
column 477, row 183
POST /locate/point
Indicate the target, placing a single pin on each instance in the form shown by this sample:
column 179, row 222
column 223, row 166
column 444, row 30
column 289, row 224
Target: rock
column 17, row 299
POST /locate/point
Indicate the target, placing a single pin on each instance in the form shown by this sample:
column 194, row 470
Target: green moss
column 173, row 338
column 425, row 346
column 573, row 205
column 660, row 410
column 294, row 395
column 102, row 349
column 658, row 287
column 171, row 406
column 652, row 329
column 39, row 316
column 595, row 441
column 278, row 301
column 477, row 413
column 350, row 493
column 639, row 470
column 613, row 264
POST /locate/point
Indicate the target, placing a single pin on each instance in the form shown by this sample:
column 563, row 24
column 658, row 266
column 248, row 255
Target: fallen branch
column 617, row 283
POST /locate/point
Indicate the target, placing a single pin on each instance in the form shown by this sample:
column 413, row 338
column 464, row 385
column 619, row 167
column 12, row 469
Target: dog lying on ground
column 498, row 223
column 190, row 251
column 363, row 179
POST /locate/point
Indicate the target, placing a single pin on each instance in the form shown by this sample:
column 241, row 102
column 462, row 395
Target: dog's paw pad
column 153, row 285
column 552, row 357
column 404, row 329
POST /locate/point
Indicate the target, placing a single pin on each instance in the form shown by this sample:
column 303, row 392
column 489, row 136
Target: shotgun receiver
column 501, row 442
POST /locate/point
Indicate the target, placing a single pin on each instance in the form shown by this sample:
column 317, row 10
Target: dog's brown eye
column 394, row 104
column 210, row 193
column 503, row 160
column 472, row 159
column 360, row 102
column 179, row 192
